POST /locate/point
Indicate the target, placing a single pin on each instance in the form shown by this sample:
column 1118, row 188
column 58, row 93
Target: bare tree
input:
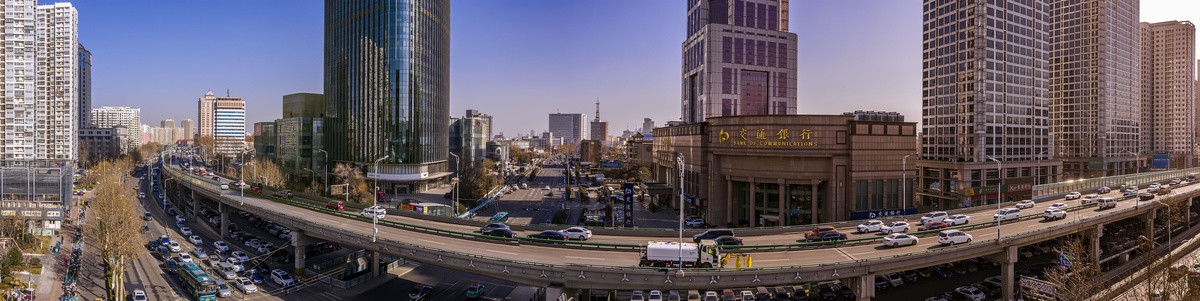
column 1078, row 281
column 207, row 147
column 261, row 171
column 1161, row 275
column 116, row 228
column 359, row 192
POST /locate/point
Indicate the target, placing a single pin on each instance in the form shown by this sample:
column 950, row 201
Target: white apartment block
column 130, row 118
column 1094, row 86
column 40, row 82
column 738, row 59
column 1168, row 94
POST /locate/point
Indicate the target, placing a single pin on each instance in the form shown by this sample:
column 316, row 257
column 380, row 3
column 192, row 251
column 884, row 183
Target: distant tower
column 599, row 129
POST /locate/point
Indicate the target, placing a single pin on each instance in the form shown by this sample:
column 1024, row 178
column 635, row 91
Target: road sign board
column 339, row 189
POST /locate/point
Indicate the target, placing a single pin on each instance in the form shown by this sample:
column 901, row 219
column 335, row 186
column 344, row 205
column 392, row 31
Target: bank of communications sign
column 767, row 137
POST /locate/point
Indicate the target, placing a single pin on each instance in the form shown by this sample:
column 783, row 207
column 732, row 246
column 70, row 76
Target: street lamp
column 679, row 160
column 314, row 174
column 1000, row 190
column 375, row 199
column 325, row 171
column 458, row 174
column 904, row 184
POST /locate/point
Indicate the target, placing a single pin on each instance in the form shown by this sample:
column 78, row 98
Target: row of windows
column 753, row 52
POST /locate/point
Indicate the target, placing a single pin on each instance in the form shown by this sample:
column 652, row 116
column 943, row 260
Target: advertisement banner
column 877, row 214
column 339, row 189
column 628, row 192
column 1160, row 162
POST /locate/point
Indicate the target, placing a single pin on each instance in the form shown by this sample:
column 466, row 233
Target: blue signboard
column 877, row 214
column 1160, row 162
column 1065, row 259
column 610, row 164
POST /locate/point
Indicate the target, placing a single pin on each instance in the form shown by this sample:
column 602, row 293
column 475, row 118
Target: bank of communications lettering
column 767, row 137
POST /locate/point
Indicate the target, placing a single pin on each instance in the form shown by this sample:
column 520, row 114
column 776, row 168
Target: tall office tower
column 167, row 123
column 189, row 128
column 570, row 127
column 39, row 96
column 489, row 128
column 84, row 103
column 130, row 118
column 738, row 59
column 387, row 89
column 647, row 126
column 1094, row 109
column 224, row 119
column 599, row 129
column 984, row 97
column 1168, row 94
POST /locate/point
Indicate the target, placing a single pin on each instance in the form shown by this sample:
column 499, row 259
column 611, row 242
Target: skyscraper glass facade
column 387, row 85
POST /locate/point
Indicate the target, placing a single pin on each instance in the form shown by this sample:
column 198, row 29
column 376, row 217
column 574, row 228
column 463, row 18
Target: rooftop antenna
column 227, row 92
column 597, row 109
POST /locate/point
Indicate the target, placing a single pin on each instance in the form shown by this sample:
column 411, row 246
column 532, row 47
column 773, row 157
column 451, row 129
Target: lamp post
column 904, row 184
column 375, row 199
column 679, row 160
column 242, row 177
column 314, row 174
column 325, row 172
column 458, row 174
column 1000, row 190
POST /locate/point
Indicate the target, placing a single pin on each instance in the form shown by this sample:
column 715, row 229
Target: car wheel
column 968, row 240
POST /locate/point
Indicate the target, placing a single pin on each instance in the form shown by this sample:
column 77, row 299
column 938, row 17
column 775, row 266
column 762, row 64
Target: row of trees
column 116, row 228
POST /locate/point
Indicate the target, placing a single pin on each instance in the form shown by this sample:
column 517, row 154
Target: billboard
column 1160, row 162
column 338, row 189
column 877, row 214
column 628, row 192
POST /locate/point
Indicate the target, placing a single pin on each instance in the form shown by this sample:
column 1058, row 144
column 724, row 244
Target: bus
column 196, row 282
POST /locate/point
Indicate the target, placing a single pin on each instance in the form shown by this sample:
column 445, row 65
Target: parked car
column 933, row 226
column 281, row 278
column 1073, row 195
column 1054, row 214
column 577, row 233
column 935, row 216
column 1007, row 213
column 475, row 291
column 899, row 239
column 952, row 237
column 712, row 234
column 896, row 227
column 870, row 226
column 1025, row 204
column 881, row 283
column 245, row 285
column 958, row 219
column 971, row 292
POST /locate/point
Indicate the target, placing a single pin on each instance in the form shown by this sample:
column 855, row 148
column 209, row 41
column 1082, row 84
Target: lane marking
column 585, row 258
column 430, row 241
column 502, row 252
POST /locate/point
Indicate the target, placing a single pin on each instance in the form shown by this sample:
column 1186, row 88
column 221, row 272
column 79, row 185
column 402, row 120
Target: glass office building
column 387, row 88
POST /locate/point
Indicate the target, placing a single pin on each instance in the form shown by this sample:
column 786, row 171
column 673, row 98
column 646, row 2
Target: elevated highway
column 612, row 266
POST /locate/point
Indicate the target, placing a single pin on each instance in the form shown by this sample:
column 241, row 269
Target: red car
column 257, row 189
column 933, row 226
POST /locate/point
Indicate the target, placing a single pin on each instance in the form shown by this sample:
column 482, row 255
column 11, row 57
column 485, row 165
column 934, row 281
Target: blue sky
column 517, row 60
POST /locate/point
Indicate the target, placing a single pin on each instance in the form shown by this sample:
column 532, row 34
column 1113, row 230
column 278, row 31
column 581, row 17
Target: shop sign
column 877, row 214
column 767, row 137
column 30, row 213
column 8, row 213
column 53, row 213
column 1034, row 284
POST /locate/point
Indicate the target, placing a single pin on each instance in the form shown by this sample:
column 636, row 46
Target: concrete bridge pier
column 1008, row 260
column 300, row 243
column 195, row 208
column 1187, row 212
column 1094, row 240
column 1149, row 219
column 375, row 270
column 863, row 286
column 224, row 219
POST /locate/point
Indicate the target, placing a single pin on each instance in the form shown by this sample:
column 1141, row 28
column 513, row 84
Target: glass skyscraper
column 387, row 90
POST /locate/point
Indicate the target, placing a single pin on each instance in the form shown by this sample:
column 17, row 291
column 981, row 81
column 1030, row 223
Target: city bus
column 196, row 282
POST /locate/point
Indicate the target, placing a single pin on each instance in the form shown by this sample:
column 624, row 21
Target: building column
column 195, row 209
column 224, row 220
column 375, row 270
column 1097, row 233
column 1149, row 220
column 1187, row 212
column 753, row 203
column 782, row 203
column 863, row 286
column 730, row 212
column 812, row 200
column 300, row 243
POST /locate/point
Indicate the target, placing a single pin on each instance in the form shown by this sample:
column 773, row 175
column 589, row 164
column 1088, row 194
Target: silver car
column 223, row 290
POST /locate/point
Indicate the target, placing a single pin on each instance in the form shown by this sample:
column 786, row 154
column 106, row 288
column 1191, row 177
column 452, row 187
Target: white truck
column 666, row 254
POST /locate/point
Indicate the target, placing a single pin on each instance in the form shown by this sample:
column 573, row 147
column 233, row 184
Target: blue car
column 943, row 272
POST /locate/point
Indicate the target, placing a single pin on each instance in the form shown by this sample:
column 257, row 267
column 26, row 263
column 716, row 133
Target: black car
column 846, row 292
column 549, row 234
column 492, row 226
column 712, row 234
column 500, row 233
column 1146, row 196
column 827, row 236
column 147, row 217
column 882, row 283
column 827, row 292
column 911, row 276
column 988, row 288
column 728, row 241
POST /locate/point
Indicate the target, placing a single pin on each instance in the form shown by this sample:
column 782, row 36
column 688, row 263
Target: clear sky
column 517, row 60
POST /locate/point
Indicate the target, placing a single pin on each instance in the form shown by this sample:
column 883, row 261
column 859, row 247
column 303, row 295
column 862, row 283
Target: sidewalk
column 90, row 284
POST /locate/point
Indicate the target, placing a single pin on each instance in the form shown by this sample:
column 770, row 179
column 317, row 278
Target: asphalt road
column 448, row 285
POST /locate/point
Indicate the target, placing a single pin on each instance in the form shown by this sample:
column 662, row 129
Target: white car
column 241, row 256
column 200, row 253
column 1054, row 214
column 895, row 279
column 195, row 239
column 971, row 292
column 1007, row 213
column 637, row 296
column 953, row 237
column 694, row 222
column 187, row 231
column 281, row 278
column 174, row 247
column 1059, row 206
column 958, row 219
column 899, row 239
column 245, row 285
column 185, row 257
column 227, row 271
column 139, row 295
column 870, row 226
column 266, row 247
column 895, row 227
column 1105, row 203
column 374, row 211
column 220, row 246
column 1074, row 195
column 142, row 195
column 253, row 243
column 1025, row 204
column 655, row 295
column 935, row 216
column 1155, row 185
column 224, row 186
column 577, row 233
column 179, row 218
column 1089, row 199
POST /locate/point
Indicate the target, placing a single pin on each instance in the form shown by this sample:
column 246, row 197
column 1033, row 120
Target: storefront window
column 767, row 203
column 799, row 205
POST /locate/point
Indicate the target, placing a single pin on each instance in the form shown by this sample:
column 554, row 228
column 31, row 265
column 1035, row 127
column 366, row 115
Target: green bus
column 196, row 282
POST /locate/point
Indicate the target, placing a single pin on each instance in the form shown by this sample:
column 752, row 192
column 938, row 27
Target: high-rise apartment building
column 189, row 128
column 985, row 96
column 1094, row 108
column 204, row 112
column 387, row 89
column 167, row 123
column 84, row 104
column 224, row 119
column 130, row 118
column 738, row 59
column 570, row 127
column 1168, row 93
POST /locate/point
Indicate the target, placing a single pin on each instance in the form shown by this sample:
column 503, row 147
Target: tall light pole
column 679, row 160
column 904, row 184
column 325, row 172
column 1000, row 190
column 375, row 199
column 242, row 177
column 458, row 174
